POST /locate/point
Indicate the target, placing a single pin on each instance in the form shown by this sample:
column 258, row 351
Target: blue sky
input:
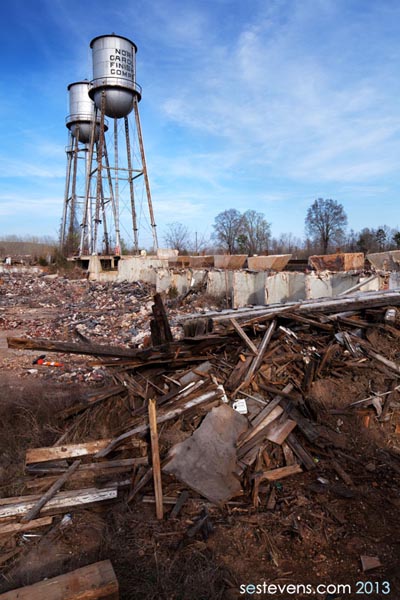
column 262, row 105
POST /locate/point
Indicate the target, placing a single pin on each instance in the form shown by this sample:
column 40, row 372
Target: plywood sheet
column 206, row 461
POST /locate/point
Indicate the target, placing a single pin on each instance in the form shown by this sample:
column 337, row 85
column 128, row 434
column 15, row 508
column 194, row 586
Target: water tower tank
column 114, row 72
column 81, row 112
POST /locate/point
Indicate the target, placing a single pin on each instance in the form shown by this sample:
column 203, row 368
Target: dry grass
column 28, row 417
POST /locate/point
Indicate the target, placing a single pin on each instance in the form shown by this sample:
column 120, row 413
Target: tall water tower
column 80, row 122
column 113, row 166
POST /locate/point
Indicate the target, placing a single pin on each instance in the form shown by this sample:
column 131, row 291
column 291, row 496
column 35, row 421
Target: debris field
column 199, row 449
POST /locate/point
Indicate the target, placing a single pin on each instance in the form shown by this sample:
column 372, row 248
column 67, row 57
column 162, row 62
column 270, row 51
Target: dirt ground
column 315, row 535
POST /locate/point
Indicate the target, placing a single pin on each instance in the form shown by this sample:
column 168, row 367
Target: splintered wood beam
column 72, row 347
column 38, row 455
column 361, row 300
column 155, row 453
column 57, row 485
column 252, row 347
column 305, row 457
column 17, row 507
column 280, row 473
column 92, row 582
column 160, row 329
column 255, row 365
column 21, row 527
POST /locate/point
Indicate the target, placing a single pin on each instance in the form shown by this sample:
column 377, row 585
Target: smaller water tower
column 81, row 112
column 82, row 122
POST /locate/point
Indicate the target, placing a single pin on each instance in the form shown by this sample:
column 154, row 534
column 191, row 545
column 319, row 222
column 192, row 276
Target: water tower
column 113, row 166
column 81, row 121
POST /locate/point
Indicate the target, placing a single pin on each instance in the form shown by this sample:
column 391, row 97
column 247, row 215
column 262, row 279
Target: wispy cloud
column 283, row 103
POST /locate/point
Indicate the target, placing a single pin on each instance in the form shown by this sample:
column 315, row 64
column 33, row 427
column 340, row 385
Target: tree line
column 325, row 227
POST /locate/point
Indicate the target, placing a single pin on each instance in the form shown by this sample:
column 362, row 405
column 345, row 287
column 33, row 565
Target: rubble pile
column 278, row 415
column 75, row 308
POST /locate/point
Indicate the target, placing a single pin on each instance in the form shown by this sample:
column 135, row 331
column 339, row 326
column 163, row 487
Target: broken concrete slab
column 229, row 261
column 273, row 262
column 385, row 261
column 346, row 261
column 206, row 461
column 201, row 261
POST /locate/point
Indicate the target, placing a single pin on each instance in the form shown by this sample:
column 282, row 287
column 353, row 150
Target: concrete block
column 351, row 261
column 273, row 262
column 318, row 285
column 167, row 253
column 229, row 261
column 248, row 288
column 182, row 280
column 385, row 261
column 201, row 261
column 139, row 268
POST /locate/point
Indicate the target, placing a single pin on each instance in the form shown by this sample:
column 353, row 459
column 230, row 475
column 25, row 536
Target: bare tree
column 256, row 232
column 228, row 226
column 326, row 222
column 177, row 236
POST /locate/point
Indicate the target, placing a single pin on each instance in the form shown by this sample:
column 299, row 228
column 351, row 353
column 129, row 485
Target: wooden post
column 155, row 453
column 93, row 582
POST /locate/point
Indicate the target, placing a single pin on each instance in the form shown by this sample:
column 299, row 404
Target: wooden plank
column 288, row 454
column 8, row 528
column 155, row 454
column 255, row 365
column 365, row 299
column 342, row 473
column 271, row 405
column 301, row 453
column 73, row 347
column 99, row 468
column 38, row 455
column 276, row 474
column 71, row 499
column 179, row 504
column 274, row 414
column 57, row 485
column 252, row 347
column 93, row 582
column 278, row 431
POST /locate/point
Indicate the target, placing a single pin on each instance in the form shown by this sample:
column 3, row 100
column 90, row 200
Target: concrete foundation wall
column 244, row 287
column 284, row 287
column 181, row 280
column 220, row 283
column 140, row 268
column 248, row 288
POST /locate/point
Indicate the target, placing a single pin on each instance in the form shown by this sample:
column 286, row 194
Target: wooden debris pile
column 223, row 416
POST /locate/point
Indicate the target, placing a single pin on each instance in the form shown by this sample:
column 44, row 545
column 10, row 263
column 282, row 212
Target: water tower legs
column 107, row 197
